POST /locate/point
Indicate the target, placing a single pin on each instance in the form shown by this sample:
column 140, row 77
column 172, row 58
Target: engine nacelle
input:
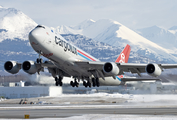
column 153, row 70
column 110, row 68
column 29, row 67
column 12, row 67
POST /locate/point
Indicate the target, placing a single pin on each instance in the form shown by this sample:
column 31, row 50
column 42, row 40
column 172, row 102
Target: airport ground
column 95, row 105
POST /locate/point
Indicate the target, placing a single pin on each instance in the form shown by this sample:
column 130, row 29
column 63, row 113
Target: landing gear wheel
column 97, row 82
column 76, row 84
column 93, row 82
column 56, row 79
column 89, row 84
column 39, row 60
column 61, row 83
column 72, row 84
column 56, row 83
column 84, row 83
column 60, row 78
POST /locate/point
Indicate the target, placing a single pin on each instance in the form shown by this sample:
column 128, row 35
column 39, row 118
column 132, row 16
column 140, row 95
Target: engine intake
column 12, row 67
column 111, row 68
column 29, row 67
column 153, row 70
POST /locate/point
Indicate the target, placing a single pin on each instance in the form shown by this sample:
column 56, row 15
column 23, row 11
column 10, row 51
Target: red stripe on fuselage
column 85, row 55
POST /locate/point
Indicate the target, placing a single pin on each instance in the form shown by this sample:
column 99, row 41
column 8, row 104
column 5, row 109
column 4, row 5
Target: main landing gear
column 75, row 83
column 95, row 82
column 87, row 84
column 58, row 81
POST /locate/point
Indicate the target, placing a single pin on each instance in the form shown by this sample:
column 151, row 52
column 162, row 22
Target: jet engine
column 12, row 67
column 153, row 70
column 29, row 67
column 110, row 68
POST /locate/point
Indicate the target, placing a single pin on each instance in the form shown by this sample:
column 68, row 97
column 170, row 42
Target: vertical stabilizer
column 124, row 56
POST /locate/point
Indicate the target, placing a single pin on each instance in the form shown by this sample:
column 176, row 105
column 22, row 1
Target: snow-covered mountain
column 116, row 34
column 165, row 38
column 14, row 24
column 173, row 30
column 105, row 39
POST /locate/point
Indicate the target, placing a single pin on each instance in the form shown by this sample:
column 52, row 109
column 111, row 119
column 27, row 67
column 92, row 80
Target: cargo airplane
column 67, row 60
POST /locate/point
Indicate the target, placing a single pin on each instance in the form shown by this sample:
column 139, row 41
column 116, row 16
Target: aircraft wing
column 132, row 67
column 123, row 67
column 140, row 68
column 168, row 66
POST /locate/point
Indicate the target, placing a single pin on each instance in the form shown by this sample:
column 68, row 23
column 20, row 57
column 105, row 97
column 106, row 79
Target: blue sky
column 134, row 14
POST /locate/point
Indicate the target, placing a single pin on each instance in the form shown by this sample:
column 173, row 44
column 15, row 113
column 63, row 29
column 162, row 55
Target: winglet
column 124, row 56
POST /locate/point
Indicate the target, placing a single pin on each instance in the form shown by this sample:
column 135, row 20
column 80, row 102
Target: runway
column 57, row 112
column 94, row 105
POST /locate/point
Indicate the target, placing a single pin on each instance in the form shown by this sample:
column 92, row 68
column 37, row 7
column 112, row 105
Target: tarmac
column 70, row 105
column 57, row 112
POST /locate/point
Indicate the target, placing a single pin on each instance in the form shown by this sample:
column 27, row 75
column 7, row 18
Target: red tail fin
column 124, row 56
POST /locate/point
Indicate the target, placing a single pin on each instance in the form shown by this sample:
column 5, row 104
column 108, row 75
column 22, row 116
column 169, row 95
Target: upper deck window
column 40, row 26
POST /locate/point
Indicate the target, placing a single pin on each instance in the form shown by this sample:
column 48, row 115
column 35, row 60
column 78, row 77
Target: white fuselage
column 63, row 54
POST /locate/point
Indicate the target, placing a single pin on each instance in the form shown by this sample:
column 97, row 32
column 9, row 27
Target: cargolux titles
column 65, row 45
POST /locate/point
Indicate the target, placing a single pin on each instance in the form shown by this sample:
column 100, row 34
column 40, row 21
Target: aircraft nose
column 35, row 36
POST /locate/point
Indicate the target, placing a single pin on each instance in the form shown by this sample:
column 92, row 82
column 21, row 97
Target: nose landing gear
column 39, row 60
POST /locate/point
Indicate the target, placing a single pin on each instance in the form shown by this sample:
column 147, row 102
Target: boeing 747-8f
column 67, row 60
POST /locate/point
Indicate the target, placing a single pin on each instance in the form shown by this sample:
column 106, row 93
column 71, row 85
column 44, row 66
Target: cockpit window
column 40, row 26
